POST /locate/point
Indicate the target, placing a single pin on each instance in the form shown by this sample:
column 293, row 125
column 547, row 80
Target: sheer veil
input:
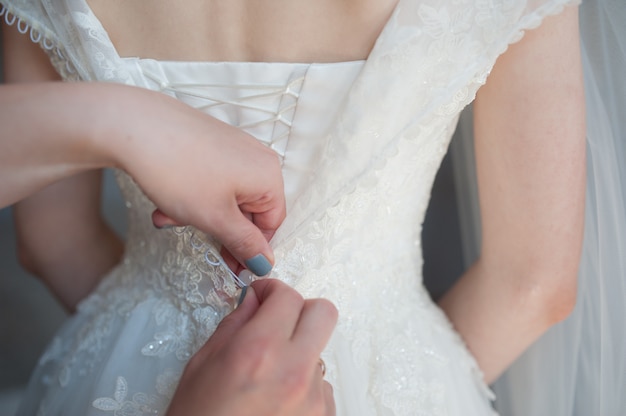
column 579, row 366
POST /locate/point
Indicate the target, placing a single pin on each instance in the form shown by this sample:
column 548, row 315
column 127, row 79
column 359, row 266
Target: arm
column 88, row 126
column 61, row 236
column 530, row 151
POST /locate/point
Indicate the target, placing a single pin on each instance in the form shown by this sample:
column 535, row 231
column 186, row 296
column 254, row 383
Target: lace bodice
column 275, row 103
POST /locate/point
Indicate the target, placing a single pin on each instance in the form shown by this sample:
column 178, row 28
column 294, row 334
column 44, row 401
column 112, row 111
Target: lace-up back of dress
column 261, row 100
column 265, row 110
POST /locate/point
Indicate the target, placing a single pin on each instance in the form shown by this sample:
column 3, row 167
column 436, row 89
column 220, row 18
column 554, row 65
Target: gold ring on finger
column 322, row 365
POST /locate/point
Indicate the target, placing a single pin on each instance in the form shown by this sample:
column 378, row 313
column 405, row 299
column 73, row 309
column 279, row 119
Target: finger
column 244, row 240
column 268, row 223
column 279, row 309
column 160, row 220
column 314, row 328
column 329, row 399
column 268, row 220
column 320, row 368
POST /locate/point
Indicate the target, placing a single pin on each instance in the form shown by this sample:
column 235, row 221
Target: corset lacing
column 272, row 105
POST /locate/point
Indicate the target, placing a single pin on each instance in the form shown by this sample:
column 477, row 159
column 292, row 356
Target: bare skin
column 60, row 169
column 530, row 150
column 530, row 147
column 529, row 142
column 263, row 359
column 271, row 31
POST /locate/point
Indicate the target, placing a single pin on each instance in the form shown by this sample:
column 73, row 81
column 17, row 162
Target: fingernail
column 246, row 276
column 242, row 296
column 259, row 265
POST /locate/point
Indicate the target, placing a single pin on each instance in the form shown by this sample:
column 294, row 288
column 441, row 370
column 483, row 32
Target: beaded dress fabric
column 360, row 143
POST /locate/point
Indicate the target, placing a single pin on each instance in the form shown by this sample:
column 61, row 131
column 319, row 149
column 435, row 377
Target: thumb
column 245, row 241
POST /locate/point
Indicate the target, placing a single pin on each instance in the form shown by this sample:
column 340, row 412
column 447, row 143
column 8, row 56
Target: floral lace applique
column 181, row 335
column 120, row 404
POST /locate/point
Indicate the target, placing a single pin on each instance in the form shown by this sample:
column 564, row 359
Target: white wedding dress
column 360, row 144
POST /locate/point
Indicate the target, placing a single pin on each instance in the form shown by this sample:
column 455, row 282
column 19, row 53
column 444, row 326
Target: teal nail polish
column 259, row 265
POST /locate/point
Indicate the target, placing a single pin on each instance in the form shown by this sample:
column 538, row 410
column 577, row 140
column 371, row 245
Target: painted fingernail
column 242, row 296
column 259, row 265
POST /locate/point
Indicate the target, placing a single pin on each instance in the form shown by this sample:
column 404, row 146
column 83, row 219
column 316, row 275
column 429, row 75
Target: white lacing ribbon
column 246, row 102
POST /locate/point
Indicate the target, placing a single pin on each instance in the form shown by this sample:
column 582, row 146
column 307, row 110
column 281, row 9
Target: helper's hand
column 263, row 359
column 202, row 172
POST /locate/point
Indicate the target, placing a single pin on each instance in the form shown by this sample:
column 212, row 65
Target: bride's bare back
column 242, row 30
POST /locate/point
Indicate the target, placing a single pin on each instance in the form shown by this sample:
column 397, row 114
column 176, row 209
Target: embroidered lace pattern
column 353, row 235
column 120, row 405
